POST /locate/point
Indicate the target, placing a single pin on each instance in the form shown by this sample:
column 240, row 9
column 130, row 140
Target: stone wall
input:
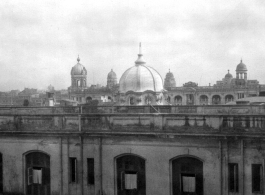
column 159, row 138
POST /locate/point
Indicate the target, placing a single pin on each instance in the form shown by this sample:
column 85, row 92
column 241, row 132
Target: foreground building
column 68, row 150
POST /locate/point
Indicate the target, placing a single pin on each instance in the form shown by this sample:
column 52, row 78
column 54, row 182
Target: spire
column 78, row 59
column 140, row 60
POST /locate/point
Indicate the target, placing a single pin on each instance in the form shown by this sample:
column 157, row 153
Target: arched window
column 78, row 83
column 168, row 99
column 132, row 101
column 178, row 100
column 216, row 99
column 190, row 99
column 229, row 98
column 130, row 175
column 187, row 176
column 148, row 100
column 203, row 100
column 88, row 99
column 37, row 172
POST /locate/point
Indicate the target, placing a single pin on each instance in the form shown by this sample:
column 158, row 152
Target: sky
column 197, row 40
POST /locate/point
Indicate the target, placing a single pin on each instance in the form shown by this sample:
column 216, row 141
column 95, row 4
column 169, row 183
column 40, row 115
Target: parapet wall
column 184, row 124
column 209, row 109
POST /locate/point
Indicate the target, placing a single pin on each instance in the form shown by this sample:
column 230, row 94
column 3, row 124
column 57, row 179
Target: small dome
column 241, row 67
column 140, row 78
column 228, row 75
column 112, row 75
column 78, row 69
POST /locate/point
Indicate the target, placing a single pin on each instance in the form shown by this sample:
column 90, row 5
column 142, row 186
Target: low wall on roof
column 209, row 109
column 131, row 122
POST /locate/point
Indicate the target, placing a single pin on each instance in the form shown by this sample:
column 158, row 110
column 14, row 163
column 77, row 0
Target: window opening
column 73, row 170
column 90, row 171
column 129, row 180
column 233, row 177
column 34, row 175
column 257, row 178
column 188, row 182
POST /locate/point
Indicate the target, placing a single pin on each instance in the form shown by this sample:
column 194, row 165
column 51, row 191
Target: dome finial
column 140, row 56
column 78, row 59
column 228, row 71
column 169, row 70
column 241, row 60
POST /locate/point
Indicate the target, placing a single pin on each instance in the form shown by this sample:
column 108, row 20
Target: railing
column 198, row 109
column 192, row 124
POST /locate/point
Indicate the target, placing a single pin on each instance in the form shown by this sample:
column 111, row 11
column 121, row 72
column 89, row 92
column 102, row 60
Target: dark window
column 73, row 170
column 90, row 171
column 256, row 178
column 233, row 177
column 37, row 174
column 187, row 176
column 131, row 175
column 1, row 173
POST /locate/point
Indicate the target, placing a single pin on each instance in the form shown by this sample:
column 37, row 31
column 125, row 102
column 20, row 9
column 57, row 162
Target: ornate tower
column 78, row 75
column 169, row 80
column 241, row 74
column 112, row 79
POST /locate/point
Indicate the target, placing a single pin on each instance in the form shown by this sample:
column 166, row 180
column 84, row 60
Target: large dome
column 241, row 67
column 78, row 69
column 140, row 78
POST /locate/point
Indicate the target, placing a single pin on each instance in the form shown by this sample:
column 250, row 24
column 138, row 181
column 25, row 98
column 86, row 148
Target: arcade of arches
column 187, row 174
column 202, row 100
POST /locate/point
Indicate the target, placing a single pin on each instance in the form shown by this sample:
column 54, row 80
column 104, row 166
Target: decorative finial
column 241, row 60
column 140, row 57
column 78, row 59
column 169, row 70
column 228, row 71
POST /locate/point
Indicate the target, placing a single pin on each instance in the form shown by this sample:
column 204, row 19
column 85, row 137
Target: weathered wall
column 157, row 152
column 13, row 150
column 158, row 155
column 216, row 139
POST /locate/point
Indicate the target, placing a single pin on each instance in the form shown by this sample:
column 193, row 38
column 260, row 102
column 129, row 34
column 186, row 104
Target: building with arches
column 50, row 151
column 143, row 85
column 227, row 90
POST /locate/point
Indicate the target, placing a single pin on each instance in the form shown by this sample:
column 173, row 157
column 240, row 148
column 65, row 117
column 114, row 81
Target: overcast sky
column 197, row 40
